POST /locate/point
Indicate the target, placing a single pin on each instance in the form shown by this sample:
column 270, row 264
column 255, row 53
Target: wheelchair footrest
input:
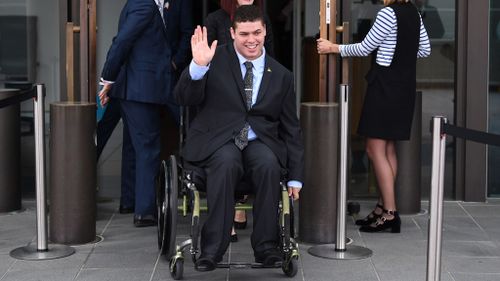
column 243, row 265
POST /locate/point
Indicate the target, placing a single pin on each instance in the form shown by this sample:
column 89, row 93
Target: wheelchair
column 176, row 179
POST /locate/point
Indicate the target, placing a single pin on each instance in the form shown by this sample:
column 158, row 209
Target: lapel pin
column 269, row 69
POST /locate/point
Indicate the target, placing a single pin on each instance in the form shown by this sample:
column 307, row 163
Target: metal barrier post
column 436, row 200
column 341, row 251
column 41, row 251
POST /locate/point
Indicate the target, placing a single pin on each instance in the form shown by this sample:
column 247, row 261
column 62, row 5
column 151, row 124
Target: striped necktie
column 241, row 140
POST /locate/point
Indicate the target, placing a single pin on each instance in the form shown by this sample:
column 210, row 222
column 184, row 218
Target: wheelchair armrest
column 195, row 175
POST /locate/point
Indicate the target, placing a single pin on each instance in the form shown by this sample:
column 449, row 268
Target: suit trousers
column 225, row 168
column 142, row 122
column 127, row 196
column 107, row 124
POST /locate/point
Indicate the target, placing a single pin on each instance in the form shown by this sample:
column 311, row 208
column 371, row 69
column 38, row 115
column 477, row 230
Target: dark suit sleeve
column 291, row 133
column 189, row 92
column 139, row 15
column 181, row 56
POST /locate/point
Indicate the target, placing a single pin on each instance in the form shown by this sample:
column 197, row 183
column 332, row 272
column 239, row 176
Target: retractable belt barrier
column 41, row 251
column 440, row 128
column 471, row 135
column 22, row 96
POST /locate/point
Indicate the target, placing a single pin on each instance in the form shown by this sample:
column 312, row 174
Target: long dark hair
column 230, row 6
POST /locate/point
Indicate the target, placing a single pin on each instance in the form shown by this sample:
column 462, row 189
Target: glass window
column 29, row 45
column 436, row 80
column 494, row 99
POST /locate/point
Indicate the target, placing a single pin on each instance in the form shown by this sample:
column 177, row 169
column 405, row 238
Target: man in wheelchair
column 246, row 127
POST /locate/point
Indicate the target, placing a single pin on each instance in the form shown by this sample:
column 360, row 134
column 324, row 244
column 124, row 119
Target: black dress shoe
column 126, row 210
column 269, row 257
column 372, row 217
column 234, row 238
column 205, row 264
column 384, row 224
column 144, row 220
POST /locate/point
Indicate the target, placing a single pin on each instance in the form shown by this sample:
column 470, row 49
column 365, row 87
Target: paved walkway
column 471, row 246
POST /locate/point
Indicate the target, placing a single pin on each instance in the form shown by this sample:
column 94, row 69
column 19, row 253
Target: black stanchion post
column 73, row 207
column 408, row 189
column 318, row 207
column 41, row 251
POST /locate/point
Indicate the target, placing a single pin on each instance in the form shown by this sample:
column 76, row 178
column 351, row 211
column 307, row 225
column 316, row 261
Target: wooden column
column 88, row 36
column 84, row 50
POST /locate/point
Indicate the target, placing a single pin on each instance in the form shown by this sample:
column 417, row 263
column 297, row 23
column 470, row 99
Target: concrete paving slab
column 108, row 274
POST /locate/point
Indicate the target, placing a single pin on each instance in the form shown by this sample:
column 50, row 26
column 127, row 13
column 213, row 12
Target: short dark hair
column 247, row 13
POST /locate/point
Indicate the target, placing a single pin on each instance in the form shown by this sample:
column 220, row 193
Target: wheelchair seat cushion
column 198, row 176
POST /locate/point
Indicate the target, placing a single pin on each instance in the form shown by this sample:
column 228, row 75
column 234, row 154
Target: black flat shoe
column 205, row 264
column 144, row 220
column 383, row 224
column 126, row 210
column 234, row 238
column 371, row 218
column 240, row 225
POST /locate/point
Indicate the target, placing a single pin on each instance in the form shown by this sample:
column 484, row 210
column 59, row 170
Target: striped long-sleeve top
column 383, row 35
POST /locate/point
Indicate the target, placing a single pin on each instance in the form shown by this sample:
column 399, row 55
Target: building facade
column 460, row 80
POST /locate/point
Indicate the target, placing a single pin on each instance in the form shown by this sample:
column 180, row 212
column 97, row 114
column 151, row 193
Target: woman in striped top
column 399, row 37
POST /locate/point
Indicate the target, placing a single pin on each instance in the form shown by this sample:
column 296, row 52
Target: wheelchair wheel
column 160, row 203
column 176, row 268
column 291, row 267
column 167, row 213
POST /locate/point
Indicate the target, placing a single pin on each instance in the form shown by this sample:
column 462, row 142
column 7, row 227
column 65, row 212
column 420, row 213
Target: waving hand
column 202, row 53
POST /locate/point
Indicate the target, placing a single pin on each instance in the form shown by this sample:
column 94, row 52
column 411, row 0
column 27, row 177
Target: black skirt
column 387, row 109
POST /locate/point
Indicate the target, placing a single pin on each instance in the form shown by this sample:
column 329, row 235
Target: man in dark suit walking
column 246, row 126
column 151, row 45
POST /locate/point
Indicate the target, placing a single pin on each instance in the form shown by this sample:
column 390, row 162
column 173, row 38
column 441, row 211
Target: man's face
column 249, row 38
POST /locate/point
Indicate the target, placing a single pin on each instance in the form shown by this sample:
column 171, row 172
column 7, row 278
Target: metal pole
column 342, row 192
column 436, row 207
column 41, row 201
column 41, row 251
column 340, row 250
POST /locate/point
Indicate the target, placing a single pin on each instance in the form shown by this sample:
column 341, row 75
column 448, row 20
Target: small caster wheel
column 291, row 268
column 176, row 268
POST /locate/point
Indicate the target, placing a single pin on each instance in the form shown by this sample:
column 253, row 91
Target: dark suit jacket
column 222, row 110
column 141, row 55
column 218, row 25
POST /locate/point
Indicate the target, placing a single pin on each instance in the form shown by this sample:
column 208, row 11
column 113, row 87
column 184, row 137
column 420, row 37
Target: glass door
column 494, row 99
column 435, row 80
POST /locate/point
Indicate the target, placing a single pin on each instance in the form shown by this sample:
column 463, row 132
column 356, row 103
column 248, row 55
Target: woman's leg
column 391, row 156
column 382, row 155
